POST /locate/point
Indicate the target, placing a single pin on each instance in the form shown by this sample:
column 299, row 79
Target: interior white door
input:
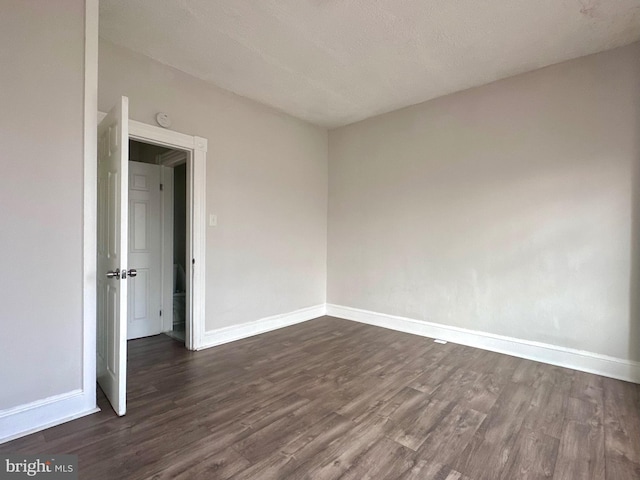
column 113, row 155
column 145, row 250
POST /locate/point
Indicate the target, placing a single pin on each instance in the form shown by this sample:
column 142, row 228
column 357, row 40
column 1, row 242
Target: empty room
column 307, row 239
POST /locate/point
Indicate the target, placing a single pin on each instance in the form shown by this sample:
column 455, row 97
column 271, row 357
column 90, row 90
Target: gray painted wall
column 510, row 208
column 41, row 185
column 266, row 182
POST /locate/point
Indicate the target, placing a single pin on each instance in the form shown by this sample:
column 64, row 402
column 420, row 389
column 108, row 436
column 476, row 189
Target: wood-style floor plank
column 546, row 411
column 533, row 456
column 334, row 399
column 384, row 460
column 621, row 430
column 424, row 470
column 581, row 453
column 451, row 435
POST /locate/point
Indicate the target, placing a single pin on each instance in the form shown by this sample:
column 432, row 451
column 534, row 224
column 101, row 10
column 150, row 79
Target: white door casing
column 196, row 148
column 166, row 207
column 111, row 348
column 144, row 318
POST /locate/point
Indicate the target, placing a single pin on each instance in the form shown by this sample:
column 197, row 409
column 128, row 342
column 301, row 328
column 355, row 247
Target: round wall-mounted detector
column 163, row 119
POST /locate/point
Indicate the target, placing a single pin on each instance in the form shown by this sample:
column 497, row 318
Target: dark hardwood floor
column 336, row 399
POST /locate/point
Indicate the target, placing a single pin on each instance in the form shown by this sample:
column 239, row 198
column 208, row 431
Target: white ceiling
column 335, row 62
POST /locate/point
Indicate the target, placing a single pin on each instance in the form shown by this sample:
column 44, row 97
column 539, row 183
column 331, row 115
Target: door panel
column 113, row 153
column 140, row 295
column 145, row 250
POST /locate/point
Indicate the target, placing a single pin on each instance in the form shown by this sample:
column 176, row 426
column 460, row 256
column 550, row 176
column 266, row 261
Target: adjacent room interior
column 362, row 240
column 157, row 241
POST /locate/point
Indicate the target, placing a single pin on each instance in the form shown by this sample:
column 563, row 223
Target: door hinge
column 161, row 312
column 161, row 187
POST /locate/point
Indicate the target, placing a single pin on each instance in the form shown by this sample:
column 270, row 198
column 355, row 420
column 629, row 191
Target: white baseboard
column 35, row 416
column 238, row 332
column 590, row 362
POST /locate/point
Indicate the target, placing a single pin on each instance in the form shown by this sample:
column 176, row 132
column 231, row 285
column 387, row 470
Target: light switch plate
column 213, row 220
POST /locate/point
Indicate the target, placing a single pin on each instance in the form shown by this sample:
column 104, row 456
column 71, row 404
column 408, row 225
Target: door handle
column 114, row 274
column 132, row 272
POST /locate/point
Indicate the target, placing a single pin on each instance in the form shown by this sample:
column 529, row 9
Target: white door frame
column 196, row 148
column 166, row 251
column 167, row 162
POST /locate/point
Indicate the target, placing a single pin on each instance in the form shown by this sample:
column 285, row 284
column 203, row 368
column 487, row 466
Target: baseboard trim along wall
column 541, row 352
column 35, row 416
column 219, row 336
column 25, row 419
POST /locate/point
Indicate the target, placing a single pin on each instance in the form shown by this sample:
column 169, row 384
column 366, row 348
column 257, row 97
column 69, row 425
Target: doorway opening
column 115, row 271
column 157, row 241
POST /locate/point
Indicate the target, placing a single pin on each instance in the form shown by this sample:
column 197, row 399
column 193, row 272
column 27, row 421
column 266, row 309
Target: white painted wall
column 266, row 182
column 41, row 199
column 511, row 208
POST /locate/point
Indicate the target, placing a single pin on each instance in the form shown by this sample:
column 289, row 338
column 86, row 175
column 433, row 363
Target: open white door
column 113, row 179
